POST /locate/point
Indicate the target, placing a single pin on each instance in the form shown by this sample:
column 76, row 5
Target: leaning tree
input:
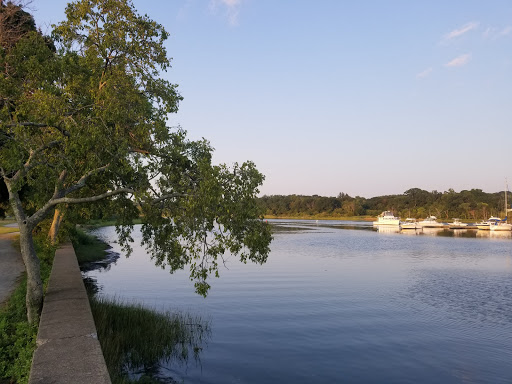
column 84, row 118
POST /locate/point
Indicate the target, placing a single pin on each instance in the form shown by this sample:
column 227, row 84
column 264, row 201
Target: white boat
column 486, row 225
column 502, row 225
column 431, row 222
column 457, row 224
column 387, row 218
column 410, row 223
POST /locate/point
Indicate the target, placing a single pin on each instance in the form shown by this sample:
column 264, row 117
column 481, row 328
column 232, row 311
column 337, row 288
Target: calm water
column 339, row 305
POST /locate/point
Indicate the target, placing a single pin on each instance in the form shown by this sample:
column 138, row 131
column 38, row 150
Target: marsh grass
column 136, row 341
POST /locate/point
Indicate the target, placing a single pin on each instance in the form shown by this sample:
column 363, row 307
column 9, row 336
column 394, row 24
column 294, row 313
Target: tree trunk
column 58, row 216
column 34, row 298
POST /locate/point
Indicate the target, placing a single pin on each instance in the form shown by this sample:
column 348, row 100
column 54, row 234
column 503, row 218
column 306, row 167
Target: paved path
column 11, row 266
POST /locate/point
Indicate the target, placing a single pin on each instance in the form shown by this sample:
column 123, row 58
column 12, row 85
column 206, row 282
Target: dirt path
column 11, row 266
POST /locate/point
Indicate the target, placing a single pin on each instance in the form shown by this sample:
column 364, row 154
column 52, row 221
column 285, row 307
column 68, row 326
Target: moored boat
column 431, row 222
column 501, row 226
column 409, row 223
column 486, row 225
column 387, row 218
column 457, row 224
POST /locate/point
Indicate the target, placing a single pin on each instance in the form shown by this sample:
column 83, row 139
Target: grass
column 4, row 230
column 136, row 340
column 17, row 336
column 88, row 248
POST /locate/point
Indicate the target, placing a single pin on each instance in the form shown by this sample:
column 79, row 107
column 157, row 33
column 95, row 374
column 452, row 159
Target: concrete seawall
column 68, row 350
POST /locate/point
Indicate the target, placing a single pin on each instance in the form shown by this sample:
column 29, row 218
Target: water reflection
column 433, row 231
column 494, row 234
column 298, row 226
column 500, row 235
column 388, row 229
column 413, row 232
column 391, row 308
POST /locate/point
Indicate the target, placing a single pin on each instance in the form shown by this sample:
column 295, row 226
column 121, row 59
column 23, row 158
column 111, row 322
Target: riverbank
column 98, row 223
column 320, row 217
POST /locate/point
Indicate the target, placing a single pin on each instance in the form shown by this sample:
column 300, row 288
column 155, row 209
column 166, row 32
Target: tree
column 88, row 122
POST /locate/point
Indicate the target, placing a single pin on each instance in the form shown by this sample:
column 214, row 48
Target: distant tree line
column 415, row 202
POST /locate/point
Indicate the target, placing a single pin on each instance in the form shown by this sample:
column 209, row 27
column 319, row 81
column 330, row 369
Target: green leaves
column 88, row 120
column 214, row 211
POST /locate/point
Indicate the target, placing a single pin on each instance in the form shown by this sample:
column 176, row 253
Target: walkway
column 68, row 350
column 11, row 266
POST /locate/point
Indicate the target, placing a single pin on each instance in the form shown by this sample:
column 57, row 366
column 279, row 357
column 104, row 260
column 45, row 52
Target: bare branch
column 137, row 150
column 38, row 125
column 28, row 164
column 168, row 196
column 59, row 184
column 81, row 183
column 91, row 199
column 41, row 213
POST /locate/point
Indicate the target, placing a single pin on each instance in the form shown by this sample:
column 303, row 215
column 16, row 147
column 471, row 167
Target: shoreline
column 320, row 217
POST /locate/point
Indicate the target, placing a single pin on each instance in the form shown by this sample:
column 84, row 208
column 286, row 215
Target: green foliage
column 86, row 122
column 17, row 336
column 470, row 205
column 135, row 339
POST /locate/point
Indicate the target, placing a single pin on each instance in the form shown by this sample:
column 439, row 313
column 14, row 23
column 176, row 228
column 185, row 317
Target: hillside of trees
column 471, row 205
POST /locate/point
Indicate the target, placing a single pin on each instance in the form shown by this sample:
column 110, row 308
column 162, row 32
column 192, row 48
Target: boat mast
column 506, row 205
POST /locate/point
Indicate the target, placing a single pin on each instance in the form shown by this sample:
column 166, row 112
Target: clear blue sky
column 362, row 97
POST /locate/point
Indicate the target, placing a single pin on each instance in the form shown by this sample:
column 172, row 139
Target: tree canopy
column 471, row 204
column 84, row 118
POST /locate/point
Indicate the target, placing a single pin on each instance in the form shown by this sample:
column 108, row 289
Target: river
column 334, row 304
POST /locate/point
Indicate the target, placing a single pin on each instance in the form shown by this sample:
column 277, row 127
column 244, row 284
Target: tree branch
column 38, row 125
column 41, row 213
column 58, row 185
column 91, row 199
column 81, row 183
column 27, row 166
column 168, row 196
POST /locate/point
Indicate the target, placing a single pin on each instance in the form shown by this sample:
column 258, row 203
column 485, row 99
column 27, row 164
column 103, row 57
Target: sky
column 363, row 97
